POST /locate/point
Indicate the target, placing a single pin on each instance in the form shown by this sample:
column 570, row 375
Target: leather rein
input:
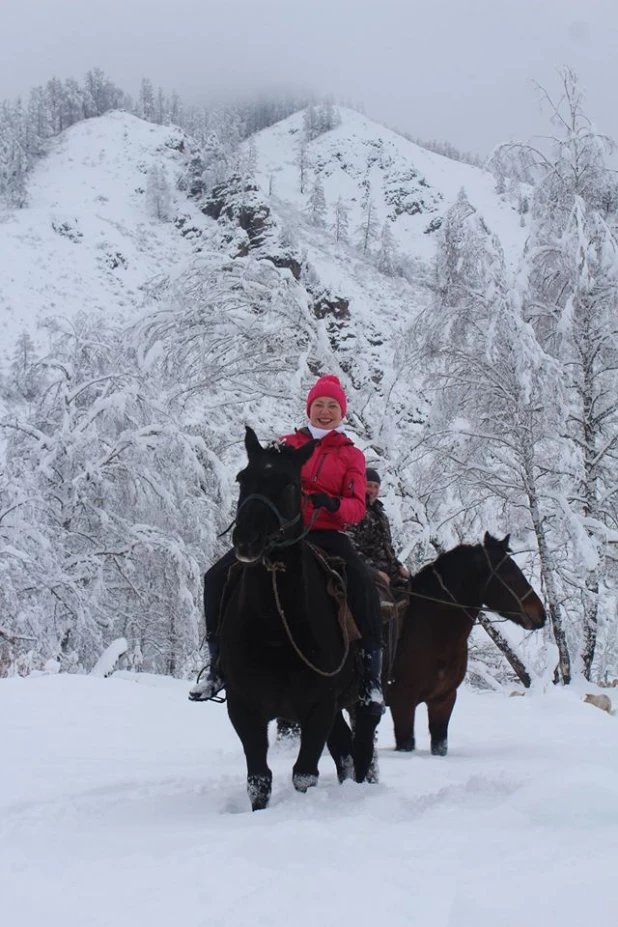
column 453, row 603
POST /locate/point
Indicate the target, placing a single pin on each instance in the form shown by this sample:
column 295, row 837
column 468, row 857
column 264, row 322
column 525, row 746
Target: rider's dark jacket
column 372, row 539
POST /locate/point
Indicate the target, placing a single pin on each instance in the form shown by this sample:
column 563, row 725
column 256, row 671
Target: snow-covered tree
column 386, row 257
column 316, row 205
column 146, row 103
column 304, row 164
column 573, row 296
column 158, row 193
column 102, row 508
column 341, row 222
column 490, row 432
column 368, row 228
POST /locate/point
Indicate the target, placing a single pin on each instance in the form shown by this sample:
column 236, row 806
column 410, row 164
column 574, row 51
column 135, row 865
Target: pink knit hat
column 328, row 386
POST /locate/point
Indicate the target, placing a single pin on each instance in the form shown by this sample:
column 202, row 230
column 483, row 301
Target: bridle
column 273, row 541
column 493, row 574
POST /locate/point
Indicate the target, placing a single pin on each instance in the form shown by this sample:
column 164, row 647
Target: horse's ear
column 490, row 541
column 305, row 452
column 252, row 444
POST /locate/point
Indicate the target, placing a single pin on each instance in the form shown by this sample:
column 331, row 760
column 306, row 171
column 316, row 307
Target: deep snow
column 122, row 803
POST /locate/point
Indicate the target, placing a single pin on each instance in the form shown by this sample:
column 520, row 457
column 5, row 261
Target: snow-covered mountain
column 410, row 186
column 89, row 239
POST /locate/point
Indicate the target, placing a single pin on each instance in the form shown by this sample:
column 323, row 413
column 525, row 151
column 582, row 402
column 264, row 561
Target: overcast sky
column 456, row 70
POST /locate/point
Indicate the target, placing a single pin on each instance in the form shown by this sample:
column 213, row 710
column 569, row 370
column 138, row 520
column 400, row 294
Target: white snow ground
column 123, row 804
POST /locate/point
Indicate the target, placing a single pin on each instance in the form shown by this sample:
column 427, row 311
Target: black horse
column 284, row 651
column 432, row 654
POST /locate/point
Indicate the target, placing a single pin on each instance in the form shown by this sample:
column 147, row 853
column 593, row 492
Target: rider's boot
column 208, row 687
column 370, row 695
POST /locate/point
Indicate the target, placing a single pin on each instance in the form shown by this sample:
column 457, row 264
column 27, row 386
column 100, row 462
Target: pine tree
column 386, row 258
column 304, row 164
column 341, row 222
column 146, row 106
column 316, row 206
column 310, row 124
column 158, row 193
column 369, row 226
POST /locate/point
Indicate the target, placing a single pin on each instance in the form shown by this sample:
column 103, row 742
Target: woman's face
column 325, row 413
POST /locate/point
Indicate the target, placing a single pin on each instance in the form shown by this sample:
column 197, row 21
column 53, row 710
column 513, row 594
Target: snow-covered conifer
column 316, row 205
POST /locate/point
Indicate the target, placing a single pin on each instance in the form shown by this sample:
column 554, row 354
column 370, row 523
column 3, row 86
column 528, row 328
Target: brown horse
column 445, row 599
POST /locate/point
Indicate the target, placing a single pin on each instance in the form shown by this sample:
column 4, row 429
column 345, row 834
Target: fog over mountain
column 458, row 72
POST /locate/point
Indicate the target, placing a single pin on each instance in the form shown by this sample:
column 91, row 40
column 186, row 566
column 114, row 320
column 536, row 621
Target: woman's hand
column 320, row 500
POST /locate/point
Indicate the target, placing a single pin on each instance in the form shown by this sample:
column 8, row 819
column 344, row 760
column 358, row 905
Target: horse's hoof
column 405, row 746
column 440, row 748
column 259, row 789
column 304, row 781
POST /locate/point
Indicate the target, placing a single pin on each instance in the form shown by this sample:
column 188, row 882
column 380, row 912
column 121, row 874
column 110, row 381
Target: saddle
column 336, row 586
column 393, row 599
column 333, row 569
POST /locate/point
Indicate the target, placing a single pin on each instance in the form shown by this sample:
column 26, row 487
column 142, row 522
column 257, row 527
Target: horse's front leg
column 339, row 744
column 364, row 725
column 403, row 709
column 253, row 732
column 315, row 726
column 439, row 713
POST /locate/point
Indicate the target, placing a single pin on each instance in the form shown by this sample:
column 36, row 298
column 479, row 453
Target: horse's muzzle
column 537, row 617
column 248, row 545
column 249, row 551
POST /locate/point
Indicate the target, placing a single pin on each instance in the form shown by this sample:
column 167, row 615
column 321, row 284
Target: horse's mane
column 449, row 564
column 445, row 564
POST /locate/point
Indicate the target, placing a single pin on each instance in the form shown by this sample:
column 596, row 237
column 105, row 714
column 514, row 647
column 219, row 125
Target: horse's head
column 269, row 504
column 507, row 591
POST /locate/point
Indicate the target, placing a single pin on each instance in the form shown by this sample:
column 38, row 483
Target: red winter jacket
column 337, row 468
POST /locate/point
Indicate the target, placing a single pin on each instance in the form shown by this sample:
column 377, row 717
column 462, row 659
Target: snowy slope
column 410, row 186
column 123, row 804
column 87, row 239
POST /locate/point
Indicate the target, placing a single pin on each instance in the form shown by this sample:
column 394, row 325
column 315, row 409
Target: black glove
column 320, row 500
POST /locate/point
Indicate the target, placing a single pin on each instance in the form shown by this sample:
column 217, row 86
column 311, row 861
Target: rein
column 284, row 523
column 274, row 567
column 278, row 567
column 453, row 603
